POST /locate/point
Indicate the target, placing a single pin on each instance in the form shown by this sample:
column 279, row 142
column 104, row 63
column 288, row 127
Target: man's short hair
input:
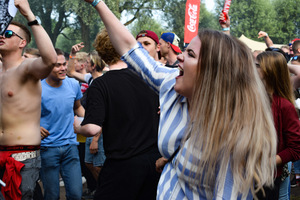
column 82, row 57
column 59, row 52
column 97, row 61
column 296, row 46
column 24, row 29
column 105, row 48
column 32, row 51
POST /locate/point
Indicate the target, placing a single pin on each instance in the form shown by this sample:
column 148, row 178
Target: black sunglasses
column 9, row 34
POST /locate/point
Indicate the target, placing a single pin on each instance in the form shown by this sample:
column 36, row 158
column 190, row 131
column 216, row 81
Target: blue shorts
column 98, row 158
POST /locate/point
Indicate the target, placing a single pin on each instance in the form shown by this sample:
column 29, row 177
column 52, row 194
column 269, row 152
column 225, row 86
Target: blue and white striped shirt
column 174, row 119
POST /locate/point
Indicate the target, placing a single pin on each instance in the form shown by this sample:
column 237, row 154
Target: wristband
column 95, row 2
column 266, row 35
column 72, row 56
column 34, row 22
column 226, row 29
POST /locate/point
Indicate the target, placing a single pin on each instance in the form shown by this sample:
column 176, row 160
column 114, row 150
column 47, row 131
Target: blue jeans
column 297, row 167
column 285, row 186
column 63, row 160
column 30, row 175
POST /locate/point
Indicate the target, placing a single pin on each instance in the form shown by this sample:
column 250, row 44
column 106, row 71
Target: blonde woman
column 214, row 110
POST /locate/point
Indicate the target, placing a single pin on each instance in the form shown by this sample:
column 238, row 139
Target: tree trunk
column 85, row 34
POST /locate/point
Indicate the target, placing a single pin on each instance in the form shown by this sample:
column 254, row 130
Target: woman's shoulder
column 282, row 104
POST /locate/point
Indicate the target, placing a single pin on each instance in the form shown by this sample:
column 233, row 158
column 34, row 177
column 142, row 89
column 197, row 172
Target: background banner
column 192, row 11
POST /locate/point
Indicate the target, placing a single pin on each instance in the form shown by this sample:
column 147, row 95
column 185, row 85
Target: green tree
column 287, row 19
column 81, row 19
column 146, row 23
column 208, row 19
column 248, row 17
column 174, row 12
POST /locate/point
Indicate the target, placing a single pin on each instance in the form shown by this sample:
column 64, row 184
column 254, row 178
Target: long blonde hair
column 231, row 119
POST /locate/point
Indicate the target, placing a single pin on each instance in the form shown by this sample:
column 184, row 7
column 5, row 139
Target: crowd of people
column 140, row 119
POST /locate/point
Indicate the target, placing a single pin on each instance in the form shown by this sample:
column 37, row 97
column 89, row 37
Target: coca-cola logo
column 227, row 6
column 192, row 12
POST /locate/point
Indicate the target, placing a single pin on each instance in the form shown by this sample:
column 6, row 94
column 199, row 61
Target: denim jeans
column 63, row 160
column 98, row 158
column 30, row 175
column 285, row 186
column 297, row 167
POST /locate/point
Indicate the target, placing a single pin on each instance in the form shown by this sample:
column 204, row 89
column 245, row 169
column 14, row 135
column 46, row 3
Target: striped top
column 174, row 120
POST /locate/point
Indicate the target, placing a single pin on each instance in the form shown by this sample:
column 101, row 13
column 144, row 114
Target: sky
column 210, row 5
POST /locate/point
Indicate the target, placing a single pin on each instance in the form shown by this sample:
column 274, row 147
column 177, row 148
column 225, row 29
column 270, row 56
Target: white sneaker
column 83, row 180
column 61, row 182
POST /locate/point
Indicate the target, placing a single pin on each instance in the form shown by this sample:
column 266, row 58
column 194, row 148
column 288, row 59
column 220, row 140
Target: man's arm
column 295, row 79
column 120, row 37
column 71, row 64
column 86, row 130
column 78, row 109
column 40, row 67
column 267, row 39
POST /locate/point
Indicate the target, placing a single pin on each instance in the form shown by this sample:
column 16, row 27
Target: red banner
column 192, row 11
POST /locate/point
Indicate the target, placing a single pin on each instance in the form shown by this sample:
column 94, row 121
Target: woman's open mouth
column 180, row 71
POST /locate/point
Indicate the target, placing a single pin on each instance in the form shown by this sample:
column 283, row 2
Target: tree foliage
column 248, row 17
column 287, row 20
column 280, row 19
column 70, row 21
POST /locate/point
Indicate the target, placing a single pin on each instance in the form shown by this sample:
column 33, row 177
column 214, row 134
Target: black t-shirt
column 175, row 65
column 126, row 109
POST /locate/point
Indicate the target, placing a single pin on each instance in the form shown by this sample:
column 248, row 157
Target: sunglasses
column 9, row 34
column 296, row 58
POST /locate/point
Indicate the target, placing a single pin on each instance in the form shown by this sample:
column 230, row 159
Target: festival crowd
column 138, row 118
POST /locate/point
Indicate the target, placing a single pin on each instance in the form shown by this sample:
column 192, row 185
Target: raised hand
column 222, row 18
column 76, row 48
column 24, row 8
column 262, row 34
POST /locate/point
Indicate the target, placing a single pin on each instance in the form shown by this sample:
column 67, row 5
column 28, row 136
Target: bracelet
column 34, row 22
column 226, row 29
column 266, row 35
column 95, row 2
column 72, row 56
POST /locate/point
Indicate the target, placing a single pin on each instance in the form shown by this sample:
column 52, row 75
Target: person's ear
column 23, row 43
column 169, row 45
column 158, row 47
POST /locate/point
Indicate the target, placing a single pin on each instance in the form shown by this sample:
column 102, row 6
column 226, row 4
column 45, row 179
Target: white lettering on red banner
column 227, row 6
column 192, row 12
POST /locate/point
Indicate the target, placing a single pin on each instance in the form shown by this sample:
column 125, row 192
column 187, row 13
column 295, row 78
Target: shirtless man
column 20, row 100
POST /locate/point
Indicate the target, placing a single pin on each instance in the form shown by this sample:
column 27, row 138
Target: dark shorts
column 133, row 178
column 98, row 158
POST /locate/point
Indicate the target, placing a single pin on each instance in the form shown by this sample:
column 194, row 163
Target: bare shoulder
column 24, row 69
column 19, row 73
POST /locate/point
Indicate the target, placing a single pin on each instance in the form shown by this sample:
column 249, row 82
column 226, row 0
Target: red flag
column 192, row 11
column 226, row 10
